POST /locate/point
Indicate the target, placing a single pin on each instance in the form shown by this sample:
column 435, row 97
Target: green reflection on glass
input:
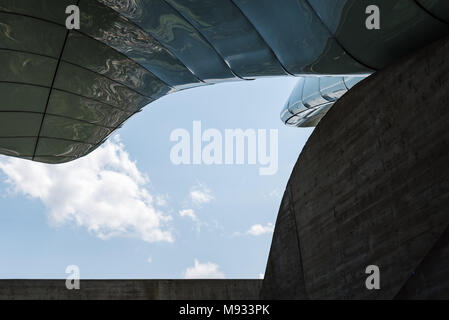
column 113, row 65
column 19, row 124
column 92, row 85
column 22, row 97
column 58, row 127
column 17, row 147
column 52, row 10
column 27, row 68
column 72, row 106
column 61, row 148
column 106, row 25
column 180, row 37
column 32, row 35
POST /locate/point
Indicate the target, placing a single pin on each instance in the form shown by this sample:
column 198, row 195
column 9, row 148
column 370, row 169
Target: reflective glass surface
column 26, row 68
column 176, row 34
column 13, row 98
column 32, row 35
column 312, row 97
column 286, row 114
column 110, row 63
column 230, row 32
column 130, row 52
column 404, row 28
column 88, row 110
column 58, row 127
column 19, row 124
column 52, row 10
column 352, row 81
column 17, row 147
column 312, row 119
column 92, row 85
column 113, row 29
column 332, row 88
column 297, row 36
column 61, row 148
column 438, row 8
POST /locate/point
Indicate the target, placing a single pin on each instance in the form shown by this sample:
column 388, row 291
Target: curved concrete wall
column 371, row 187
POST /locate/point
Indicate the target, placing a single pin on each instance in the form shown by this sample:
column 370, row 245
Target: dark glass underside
column 64, row 92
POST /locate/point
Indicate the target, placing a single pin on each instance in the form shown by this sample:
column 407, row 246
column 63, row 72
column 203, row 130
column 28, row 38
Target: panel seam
column 332, row 36
column 79, row 66
column 207, row 41
column 263, row 39
column 92, row 38
column 422, row 7
column 157, row 40
column 51, row 88
column 73, row 93
column 58, row 116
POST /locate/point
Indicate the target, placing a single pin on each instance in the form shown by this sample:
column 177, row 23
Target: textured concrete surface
column 371, row 187
column 431, row 274
column 131, row 289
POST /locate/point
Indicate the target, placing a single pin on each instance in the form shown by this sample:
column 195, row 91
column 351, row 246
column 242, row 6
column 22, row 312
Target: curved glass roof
column 65, row 91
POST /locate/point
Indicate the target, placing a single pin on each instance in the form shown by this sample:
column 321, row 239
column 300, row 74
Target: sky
column 128, row 211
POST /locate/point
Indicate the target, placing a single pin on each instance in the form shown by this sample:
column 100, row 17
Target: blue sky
column 126, row 211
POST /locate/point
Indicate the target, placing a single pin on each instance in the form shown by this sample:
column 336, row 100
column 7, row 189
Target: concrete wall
column 371, row 187
column 132, row 289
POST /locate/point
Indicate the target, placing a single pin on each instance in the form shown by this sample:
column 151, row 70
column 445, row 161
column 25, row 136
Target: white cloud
column 149, row 260
column 261, row 276
column 104, row 192
column 200, row 194
column 258, row 229
column 206, row 270
column 188, row 213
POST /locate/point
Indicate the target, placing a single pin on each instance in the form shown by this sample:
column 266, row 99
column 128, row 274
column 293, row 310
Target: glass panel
column 296, row 94
column 53, row 10
column 61, row 148
column 439, row 8
column 321, row 110
column 176, row 34
column 223, row 24
column 297, row 107
column 302, row 117
column 27, row 68
column 311, row 96
column 76, row 107
column 405, row 27
column 295, row 99
column 57, row 127
column 293, row 120
column 113, row 65
column 19, row 124
column 17, row 147
column 285, row 114
column 93, row 85
column 22, row 97
column 332, row 88
column 32, row 35
column 313, row 118
column 330, row 12
column 352, row 81
column 109, row 27
column 297, row 36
